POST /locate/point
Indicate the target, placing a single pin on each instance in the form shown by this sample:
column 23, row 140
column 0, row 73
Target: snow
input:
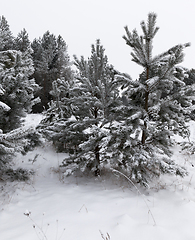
column 53, row 207
column 4, row 106
column 152, row 82
column 32, row 120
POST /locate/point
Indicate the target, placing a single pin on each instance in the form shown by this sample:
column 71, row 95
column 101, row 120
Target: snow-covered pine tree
column 58, row 113
column 94, row 96
column 10, row 143
column 16, row 68
column 154, row 108
column 51, row 61
column 22, row 42
column 6, row 38
column 89, row 102
column 62, row 62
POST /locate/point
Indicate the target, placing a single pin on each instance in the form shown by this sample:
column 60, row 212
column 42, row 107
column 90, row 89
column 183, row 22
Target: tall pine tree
column 6, row 37
column 155, row 107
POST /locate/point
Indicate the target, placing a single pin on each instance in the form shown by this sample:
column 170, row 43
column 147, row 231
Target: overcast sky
column 81, row 22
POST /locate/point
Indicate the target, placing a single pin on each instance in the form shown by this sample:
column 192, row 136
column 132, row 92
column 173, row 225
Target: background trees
column 6, row 37
column 16, row 67
column 16, row 98
column 22, row 42
column 51, row 61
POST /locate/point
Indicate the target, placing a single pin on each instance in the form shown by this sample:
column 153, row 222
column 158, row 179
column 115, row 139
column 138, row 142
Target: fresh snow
column 4, row 106
column 53, row 207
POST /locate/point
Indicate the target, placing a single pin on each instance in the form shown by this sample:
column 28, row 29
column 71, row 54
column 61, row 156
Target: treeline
column 101, row 117
column 49, row 56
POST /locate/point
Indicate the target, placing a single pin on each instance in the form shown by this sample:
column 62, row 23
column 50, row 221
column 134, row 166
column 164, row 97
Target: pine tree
column 16, row 68
column 6, row 38
column 22, row 42
column 58, row 114
column 155, row 68
column 10, row 143
column 155, row 107
column 51, row 62
column 88, row 101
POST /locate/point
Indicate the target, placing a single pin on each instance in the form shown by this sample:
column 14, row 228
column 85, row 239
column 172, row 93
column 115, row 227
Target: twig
column 105, row 238
column 84, row 207
column 42, row 234
column 36, row 225
column 57, row 230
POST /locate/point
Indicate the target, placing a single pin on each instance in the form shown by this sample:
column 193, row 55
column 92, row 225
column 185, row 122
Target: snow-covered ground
column 55, row 208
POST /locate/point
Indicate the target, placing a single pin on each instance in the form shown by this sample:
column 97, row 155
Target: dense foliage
column 16, row 98
column 85, row 111
column 102, row 118
column 157, row 105
column 51, row 61
column 131, row 133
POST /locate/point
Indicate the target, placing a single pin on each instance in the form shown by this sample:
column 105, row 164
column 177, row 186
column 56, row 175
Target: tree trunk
column 146, row 109
column 97, row 160
column 97, row 150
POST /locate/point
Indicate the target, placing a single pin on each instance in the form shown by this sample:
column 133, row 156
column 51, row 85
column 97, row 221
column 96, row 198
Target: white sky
column 81, row 22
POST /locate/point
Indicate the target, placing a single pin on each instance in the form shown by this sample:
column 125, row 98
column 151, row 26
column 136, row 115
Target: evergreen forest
column 104, row 120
